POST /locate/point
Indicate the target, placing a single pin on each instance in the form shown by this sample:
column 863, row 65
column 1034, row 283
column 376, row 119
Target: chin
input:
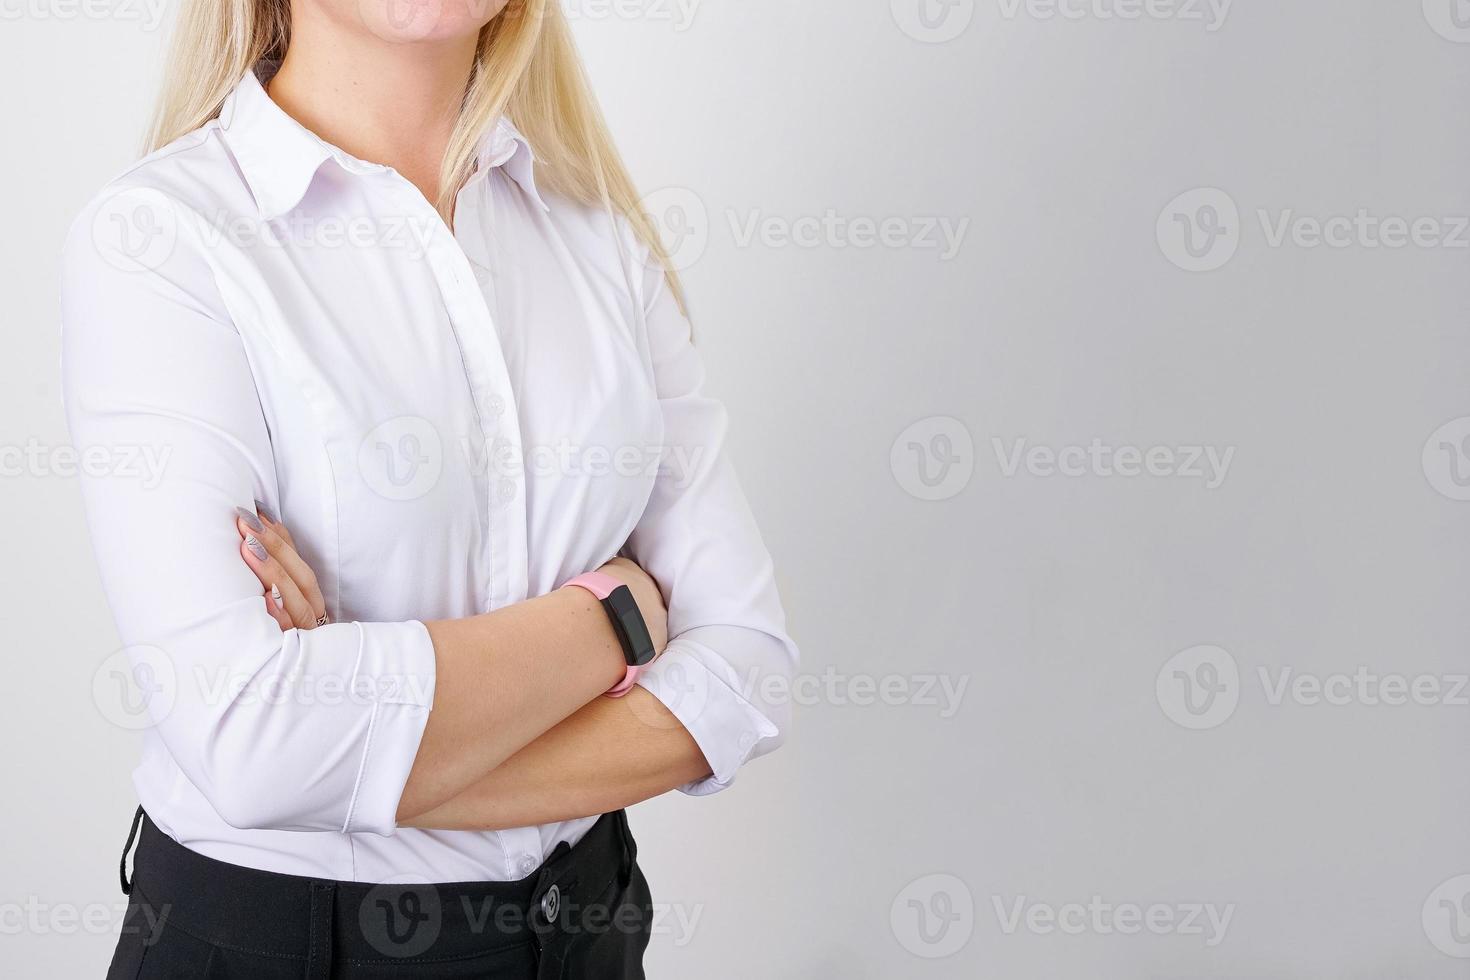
column 413, row 21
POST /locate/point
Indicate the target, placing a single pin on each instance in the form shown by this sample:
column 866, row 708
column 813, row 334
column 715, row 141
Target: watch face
column 628, row 621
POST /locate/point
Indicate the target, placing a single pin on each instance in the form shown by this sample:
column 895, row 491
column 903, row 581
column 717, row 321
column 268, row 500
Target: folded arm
column 698, row 714
column 152, row 362
column 696, row 717
column 611, row 754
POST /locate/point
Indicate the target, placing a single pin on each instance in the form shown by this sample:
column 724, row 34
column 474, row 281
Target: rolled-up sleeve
column 305, row 731
column 727, row 670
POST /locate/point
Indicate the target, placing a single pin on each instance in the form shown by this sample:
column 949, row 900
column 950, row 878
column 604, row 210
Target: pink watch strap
column 597, row 583
column 630, row 681
column 602, row 586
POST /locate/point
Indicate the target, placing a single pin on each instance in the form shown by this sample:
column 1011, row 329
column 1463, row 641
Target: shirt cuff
column 396, row 673
column 702, row 691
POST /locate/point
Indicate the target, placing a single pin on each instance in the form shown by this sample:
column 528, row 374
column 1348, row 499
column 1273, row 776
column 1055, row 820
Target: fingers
column 279, row 548
column 275, row 605
column 292, row 604
column 269, row 520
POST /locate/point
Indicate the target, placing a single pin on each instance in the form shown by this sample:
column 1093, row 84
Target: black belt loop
column 319, row 951
column 122, row 866
column 630, row 848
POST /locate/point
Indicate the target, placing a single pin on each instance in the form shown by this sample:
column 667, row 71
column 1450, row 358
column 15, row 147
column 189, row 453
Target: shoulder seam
column 183, row 144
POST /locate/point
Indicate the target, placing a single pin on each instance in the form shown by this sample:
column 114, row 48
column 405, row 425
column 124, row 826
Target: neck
column 391, row 104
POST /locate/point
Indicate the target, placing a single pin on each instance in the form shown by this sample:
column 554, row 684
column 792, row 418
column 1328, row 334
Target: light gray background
column 1332, row 833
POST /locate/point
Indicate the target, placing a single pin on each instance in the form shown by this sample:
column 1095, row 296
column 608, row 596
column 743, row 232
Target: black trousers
column 586, row 912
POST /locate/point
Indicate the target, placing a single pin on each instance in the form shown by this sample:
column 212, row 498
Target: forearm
column 503, row 679
column 610, row 754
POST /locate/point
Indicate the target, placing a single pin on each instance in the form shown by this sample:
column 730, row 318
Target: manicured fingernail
column 256, row 548
column 276, row 595
column 251, row 521
column 265, row 512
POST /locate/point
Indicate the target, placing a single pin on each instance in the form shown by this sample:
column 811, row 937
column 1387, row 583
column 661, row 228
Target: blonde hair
column 526, row 68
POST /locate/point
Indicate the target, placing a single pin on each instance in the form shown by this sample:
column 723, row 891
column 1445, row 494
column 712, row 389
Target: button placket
column 499, row 423
column 486, row 373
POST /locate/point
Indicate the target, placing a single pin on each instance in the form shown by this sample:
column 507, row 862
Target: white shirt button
column 528, row 864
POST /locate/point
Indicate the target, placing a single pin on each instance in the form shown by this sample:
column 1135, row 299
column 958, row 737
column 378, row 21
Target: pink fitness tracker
column 627, row 622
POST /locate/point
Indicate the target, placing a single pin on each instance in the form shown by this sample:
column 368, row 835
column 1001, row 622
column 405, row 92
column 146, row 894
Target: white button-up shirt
column 448, row 421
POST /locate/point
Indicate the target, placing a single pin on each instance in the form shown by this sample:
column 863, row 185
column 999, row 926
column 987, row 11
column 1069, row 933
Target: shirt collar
column 279, row 157
column 504, row 146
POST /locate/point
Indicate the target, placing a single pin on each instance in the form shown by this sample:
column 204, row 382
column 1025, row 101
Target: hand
column 645, row 592
column 291, row 592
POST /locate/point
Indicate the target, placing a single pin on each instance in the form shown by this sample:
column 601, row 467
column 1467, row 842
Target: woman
column 348, row 295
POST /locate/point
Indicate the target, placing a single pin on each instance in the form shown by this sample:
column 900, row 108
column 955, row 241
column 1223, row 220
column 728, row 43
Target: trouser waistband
column 327, row 921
